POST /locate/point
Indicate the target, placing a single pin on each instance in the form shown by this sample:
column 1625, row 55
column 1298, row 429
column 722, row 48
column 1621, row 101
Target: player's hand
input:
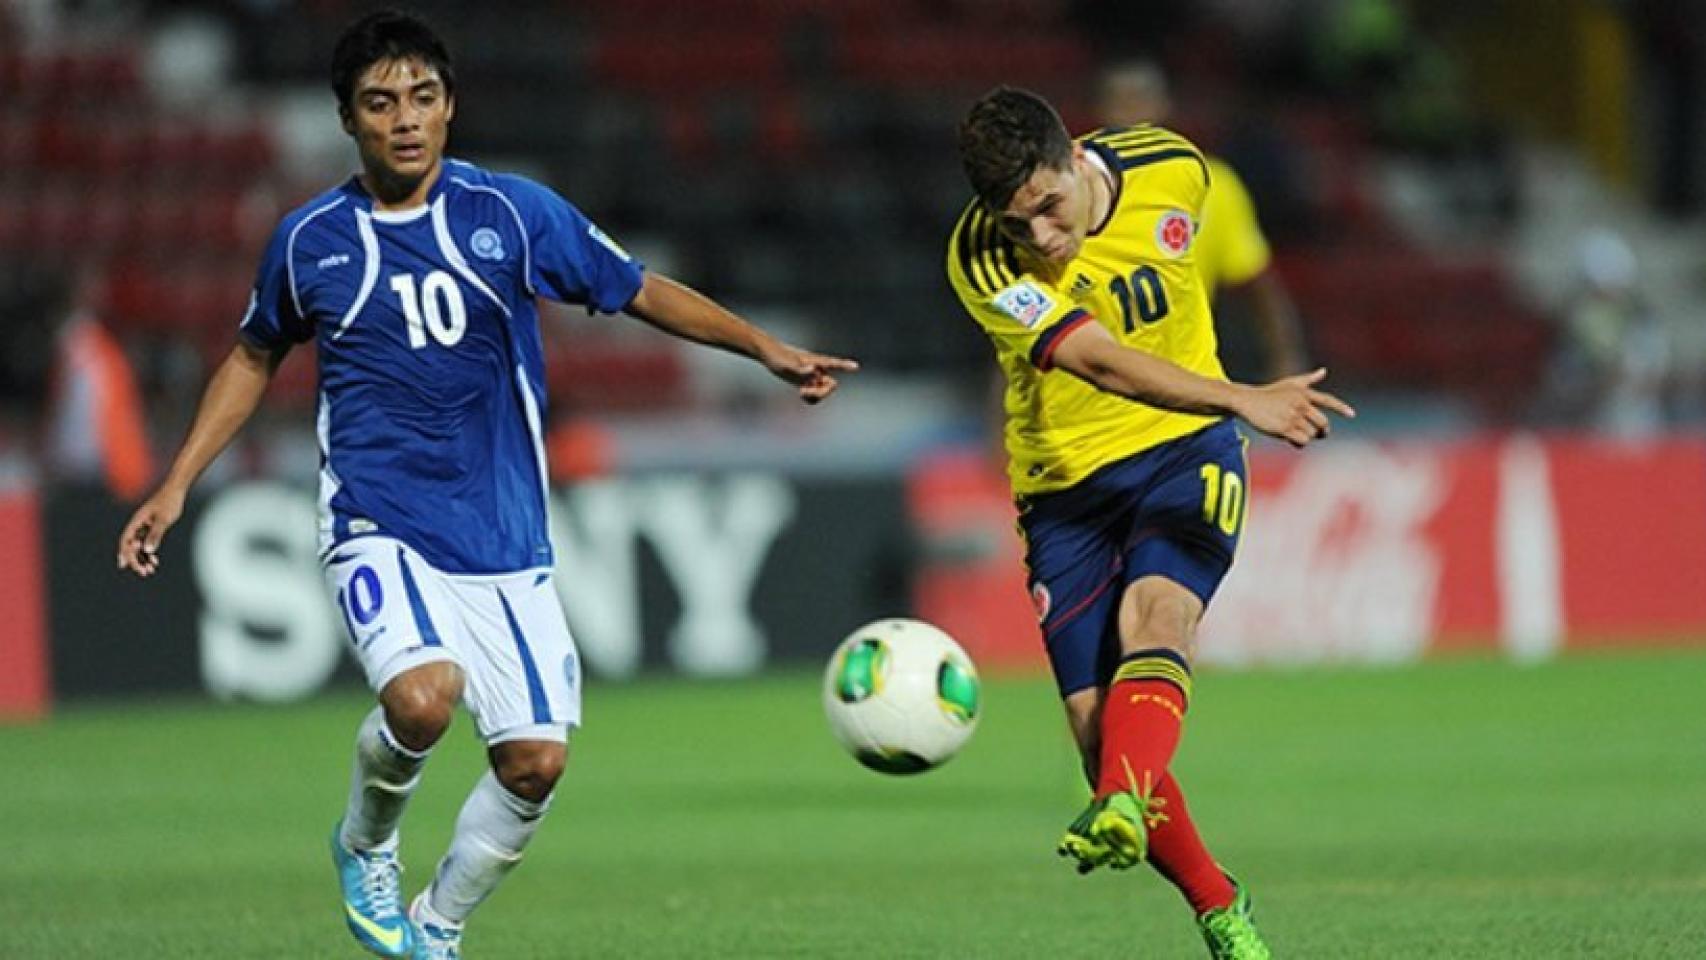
column 812, row 373
column 139, row 544
column 1292, row 409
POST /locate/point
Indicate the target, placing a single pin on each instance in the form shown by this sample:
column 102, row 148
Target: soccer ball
column 901, row 696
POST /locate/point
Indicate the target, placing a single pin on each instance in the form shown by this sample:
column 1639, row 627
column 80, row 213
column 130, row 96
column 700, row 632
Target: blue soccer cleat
column 435, row 937
column 373, row 891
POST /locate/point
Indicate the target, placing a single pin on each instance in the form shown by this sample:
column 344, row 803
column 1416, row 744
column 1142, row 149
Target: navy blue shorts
column 1174, row 511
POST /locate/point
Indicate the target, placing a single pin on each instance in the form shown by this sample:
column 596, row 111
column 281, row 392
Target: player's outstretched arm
column 1291, row 409
column 678, row 309
column 230, row 399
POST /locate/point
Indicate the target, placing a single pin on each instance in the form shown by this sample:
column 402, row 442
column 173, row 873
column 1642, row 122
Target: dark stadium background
column 1487, row 213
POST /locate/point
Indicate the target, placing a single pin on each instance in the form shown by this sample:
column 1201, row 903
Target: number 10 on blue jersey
column 436, row 308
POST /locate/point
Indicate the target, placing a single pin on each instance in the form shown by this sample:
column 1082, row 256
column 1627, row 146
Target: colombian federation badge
column 1173, row 233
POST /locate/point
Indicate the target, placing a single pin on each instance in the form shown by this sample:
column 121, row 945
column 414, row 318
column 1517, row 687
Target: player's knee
column 529, row 770
column 1159, row 614
column 417, row 711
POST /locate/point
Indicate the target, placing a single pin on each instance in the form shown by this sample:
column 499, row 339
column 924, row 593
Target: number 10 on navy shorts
column 506, row 631
column 1175, row 510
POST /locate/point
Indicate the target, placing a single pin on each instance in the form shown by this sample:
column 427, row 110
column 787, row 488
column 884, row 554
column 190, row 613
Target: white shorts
column 506, row 631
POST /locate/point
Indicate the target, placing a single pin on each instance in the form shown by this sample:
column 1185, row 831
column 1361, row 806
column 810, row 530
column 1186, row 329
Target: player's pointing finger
column 836, row 363
column 1325, row 399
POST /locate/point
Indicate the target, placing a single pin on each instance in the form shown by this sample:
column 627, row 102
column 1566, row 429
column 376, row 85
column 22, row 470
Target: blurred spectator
column 578, row 449
column 1613, row 361
column 1414, row 95
column 1231, row 250
column 95, row 429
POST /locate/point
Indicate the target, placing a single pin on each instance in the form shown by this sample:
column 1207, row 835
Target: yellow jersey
column 1230, row 247
column 1136, row 276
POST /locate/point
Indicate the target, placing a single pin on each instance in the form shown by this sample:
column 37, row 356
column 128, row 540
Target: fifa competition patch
column 1025, row 302
column 1173, row 233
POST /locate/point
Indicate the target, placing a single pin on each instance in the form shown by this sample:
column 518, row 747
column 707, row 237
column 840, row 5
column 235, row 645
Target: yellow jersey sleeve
column 1231, row 249
column 1024, row 314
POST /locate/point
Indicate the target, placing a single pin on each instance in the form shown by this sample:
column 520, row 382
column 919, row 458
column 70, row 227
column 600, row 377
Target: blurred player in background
column 1078, row 260
column 417, row 281
column 95, row 427
column 1231, row 252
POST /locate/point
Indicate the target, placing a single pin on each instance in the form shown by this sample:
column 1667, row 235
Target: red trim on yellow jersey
column 1042, row 352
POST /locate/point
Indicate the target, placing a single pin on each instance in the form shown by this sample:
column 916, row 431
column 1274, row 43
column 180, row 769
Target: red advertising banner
column 1386, row 552
column 23, row 642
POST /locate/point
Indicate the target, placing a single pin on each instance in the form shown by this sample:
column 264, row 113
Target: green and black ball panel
column 893, row 761
column 863, row 670
column 957, row 690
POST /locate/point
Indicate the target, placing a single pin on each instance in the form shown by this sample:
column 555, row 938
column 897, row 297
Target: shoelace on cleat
column 1150, row 806
column 381, row 884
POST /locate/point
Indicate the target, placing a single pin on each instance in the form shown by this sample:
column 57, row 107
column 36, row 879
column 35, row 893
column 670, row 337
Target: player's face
column 1050, row 213
column 400, row 116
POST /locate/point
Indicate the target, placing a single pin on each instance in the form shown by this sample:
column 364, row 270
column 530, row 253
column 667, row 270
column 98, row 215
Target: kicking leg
column 1142, row 714
column 1146, row 702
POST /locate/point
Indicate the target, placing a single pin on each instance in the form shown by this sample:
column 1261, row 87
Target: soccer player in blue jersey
column 417, row 280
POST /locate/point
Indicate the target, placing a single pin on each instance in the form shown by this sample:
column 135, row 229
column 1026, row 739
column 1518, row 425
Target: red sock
column 1141, row 717
column 1177, row 852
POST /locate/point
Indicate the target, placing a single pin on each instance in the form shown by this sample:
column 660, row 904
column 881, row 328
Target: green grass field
column 1461, row 809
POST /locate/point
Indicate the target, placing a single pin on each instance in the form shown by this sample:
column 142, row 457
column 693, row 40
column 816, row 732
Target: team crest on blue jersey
column 1173, row 233
column 486, row 244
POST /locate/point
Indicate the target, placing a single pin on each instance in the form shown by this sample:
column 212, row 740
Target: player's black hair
column 387, row 35
column 1005, row 136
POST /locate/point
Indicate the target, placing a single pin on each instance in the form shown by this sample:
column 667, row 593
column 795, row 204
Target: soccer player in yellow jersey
column 1076, row 258
column 1231, row 252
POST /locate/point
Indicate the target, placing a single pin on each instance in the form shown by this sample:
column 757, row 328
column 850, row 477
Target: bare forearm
column 1158, row 383
column 684, row 312
column 229, row 400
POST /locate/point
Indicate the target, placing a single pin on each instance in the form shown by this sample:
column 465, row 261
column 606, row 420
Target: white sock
column 491, row 832
column 382, row 779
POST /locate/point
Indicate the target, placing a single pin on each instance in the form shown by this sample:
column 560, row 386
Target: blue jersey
column 432, row 388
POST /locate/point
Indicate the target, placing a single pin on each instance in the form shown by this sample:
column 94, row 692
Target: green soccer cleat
column 1078, row 844
column 1230, row 932
column 1112, row 831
